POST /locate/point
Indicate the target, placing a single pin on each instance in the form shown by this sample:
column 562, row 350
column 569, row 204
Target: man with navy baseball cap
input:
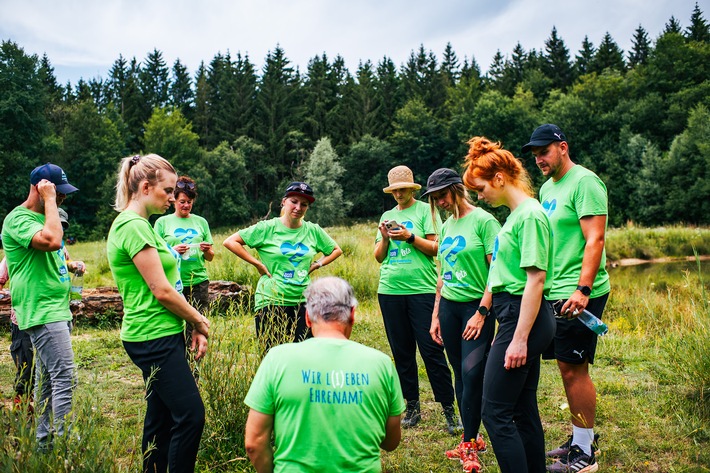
column 32, row 237
column 575, row 200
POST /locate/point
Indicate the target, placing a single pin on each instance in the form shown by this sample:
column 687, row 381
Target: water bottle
column 77, row 286
column 593, row 322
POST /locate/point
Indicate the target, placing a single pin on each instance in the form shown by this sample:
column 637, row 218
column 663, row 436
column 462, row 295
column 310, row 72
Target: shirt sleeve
column 259, row 397
column 590, row 197
column 534, row 238
column 253, row 236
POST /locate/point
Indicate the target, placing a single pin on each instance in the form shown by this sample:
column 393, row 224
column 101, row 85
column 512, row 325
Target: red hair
column 485, row 159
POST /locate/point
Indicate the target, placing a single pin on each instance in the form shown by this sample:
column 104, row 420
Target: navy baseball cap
column 441, row 179
column 53, row 174
column 301, row 189
column 544, row 135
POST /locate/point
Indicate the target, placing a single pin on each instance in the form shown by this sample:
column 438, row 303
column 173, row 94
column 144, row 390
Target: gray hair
column 330, row 299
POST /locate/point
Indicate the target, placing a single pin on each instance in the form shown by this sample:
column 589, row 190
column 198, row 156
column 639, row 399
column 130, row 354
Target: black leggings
column 175, row 415
column 467, row 358
column 407, row 321
column 510, row 411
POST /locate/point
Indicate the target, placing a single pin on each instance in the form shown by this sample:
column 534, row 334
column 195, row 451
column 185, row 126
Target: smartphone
column 391, row 225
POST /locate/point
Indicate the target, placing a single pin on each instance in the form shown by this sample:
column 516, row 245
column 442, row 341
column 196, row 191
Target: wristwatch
column 410, row 240
column 586, row 290
column 483, row 310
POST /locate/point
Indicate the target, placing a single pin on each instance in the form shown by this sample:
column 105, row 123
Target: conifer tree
column 584, row 58
column 608, row 56
column 154, row 79
column 673, row 26
column 698, row 29
column 182, row 96
column 556, row 63
column 640, row 48
column 323, row 173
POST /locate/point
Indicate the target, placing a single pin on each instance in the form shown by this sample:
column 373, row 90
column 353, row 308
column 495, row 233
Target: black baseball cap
column 440, row 179
column 301, row 189
column 53, row 174
column 543, row 136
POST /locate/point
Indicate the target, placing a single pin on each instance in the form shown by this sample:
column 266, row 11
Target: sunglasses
column 185, row 185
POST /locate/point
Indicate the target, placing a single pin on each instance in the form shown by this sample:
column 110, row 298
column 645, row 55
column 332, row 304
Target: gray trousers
column 54, row 376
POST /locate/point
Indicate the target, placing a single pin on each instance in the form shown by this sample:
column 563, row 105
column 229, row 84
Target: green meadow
column 652, row 370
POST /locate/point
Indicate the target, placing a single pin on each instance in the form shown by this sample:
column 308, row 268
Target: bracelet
column 319, row 263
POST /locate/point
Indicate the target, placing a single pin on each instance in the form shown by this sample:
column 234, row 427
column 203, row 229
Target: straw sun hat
column 400, row 177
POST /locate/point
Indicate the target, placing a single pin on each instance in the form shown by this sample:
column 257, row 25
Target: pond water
column 660, row 271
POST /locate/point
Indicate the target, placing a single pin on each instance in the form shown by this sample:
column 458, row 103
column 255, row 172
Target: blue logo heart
column 549, row 206
column 495, row 250
column 454, row 245
column 295, row 250
column 408, row 225
column 185, row 234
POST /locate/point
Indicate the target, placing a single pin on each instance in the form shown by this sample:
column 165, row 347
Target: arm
column 326, row 260
column 207, row 251
column 382, row 245
column 517, row 352
column 257, row 441
column 435, row 329
column 475, row 323
column 429, row 246
column 393, row 433
column 50, row 237
column 148, row 264
column 235, row 244
column 593, row 229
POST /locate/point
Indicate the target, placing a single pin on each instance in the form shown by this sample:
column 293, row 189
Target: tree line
column 640, row 119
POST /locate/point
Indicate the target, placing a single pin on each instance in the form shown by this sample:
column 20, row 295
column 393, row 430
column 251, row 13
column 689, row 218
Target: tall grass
column 652, row 373
column 658, row 242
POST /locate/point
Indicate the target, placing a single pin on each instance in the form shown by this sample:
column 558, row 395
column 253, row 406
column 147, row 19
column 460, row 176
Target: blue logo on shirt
column 185, row 234
column 454, row 246
column 295, row 251
column 495, row 250
column 549, row 206
column 288, row 274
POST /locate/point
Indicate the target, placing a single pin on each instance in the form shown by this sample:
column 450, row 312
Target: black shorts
column 574, row 343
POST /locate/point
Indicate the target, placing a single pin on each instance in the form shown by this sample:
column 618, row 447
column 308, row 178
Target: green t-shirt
column 144, row 317
column 525, row 241
column 463, row 246
column 287, row 253
column 330, row 399
column 406, row 270
column 192, row 230
column 40, row 279
column 580, row 193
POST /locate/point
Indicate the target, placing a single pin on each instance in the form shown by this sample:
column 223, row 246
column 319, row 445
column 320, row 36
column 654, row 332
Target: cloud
column 88, row 35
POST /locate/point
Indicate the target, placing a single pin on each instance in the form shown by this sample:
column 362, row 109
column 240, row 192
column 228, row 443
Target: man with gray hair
column 330, row 403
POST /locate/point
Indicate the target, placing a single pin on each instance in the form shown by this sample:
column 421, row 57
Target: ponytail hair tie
column 135, row 159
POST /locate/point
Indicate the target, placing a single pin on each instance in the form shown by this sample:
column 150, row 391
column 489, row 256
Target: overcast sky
column 82, row 38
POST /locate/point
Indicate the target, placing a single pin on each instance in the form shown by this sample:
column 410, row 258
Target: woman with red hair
column 518, row 281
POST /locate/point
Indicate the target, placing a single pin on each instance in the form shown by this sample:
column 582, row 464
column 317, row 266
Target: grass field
column 652, row 374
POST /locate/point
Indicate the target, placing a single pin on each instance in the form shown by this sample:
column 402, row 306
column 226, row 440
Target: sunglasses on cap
column 185, row 185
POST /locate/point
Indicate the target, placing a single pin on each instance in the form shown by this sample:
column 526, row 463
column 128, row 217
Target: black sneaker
column 412, row 415
column 453, row 422
column 563, row 450
column 576, row 462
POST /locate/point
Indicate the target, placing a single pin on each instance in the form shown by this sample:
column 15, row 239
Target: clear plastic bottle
column 593, row 322
column 77, row 286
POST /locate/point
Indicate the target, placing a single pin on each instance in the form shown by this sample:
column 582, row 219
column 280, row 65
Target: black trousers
column 407, row 321
column 467, row 358
column 510, row 411
column 175, row 415
column 23, row 355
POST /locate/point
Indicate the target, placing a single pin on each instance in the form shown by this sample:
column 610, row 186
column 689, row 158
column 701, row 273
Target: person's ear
column 352, row 316
column 309, row 324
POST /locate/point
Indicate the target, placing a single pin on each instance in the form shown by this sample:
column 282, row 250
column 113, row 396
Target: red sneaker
column 469, row 459
column 480, row 444
column 456, row 453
